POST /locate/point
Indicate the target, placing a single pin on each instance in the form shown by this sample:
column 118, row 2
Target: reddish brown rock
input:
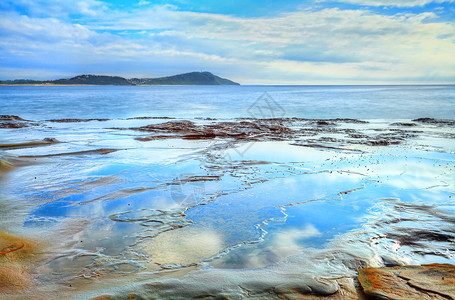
column 438, row 122
column 12, row 125
column 433, row 281
column 238, row 130
column 10, row 118
column 102, row 297
column 75, row 120
column 7, row 121
column 275, row 130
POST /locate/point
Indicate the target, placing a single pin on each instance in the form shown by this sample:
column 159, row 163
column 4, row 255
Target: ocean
column 364, row 102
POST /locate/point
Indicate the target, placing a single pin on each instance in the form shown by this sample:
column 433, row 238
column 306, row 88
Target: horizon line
column 234, row 80
column 279, row 84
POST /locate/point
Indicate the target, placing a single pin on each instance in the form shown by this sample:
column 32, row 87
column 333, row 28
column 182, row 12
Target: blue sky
column 252, row 42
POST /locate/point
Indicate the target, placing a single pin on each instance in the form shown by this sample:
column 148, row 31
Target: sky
column 249, row 41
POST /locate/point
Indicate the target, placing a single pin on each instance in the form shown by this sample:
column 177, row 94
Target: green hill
column 193, row 78
column 94, row 80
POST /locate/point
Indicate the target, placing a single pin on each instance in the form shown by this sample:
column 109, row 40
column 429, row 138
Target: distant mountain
column 94, row 80
column 193, row 78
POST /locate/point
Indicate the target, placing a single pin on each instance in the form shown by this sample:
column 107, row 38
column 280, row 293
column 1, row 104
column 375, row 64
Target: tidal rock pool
column 180, row 208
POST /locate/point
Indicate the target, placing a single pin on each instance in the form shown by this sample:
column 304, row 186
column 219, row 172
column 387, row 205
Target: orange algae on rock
column 12, row 248
column 16, row 256
column 102, row 297
column 432, row 281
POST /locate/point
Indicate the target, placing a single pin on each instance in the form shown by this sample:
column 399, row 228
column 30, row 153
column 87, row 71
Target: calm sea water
column 365, row 102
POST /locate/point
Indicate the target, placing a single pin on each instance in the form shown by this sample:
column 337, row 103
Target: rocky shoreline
column 381, row 275
column 301, row 131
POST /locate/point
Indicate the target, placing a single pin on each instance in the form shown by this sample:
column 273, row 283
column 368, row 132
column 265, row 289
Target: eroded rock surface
column 243, row 284
column 10, row 118
column 279, row 129
column 242, row 129
column 432, row 281
column 8, row 121
column 438, row 122
column 75, row 120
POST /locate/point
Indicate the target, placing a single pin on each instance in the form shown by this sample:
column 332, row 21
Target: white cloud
column 143, row 2
column 324, row 46
column 60, row 8
column 392, row 3
column 41, row 29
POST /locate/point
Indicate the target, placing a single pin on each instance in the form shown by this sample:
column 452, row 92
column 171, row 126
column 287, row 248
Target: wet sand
column 17, row 256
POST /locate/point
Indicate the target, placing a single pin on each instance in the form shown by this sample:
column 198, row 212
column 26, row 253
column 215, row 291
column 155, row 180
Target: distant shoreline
column 44, row 84
column 80, row 84
column 192, row 78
